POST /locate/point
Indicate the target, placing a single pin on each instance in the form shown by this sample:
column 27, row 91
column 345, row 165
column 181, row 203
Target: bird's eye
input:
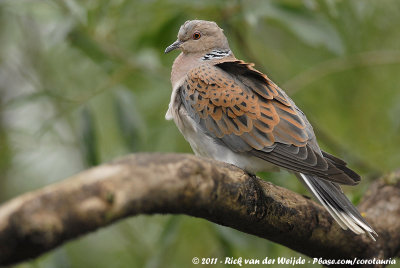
column 196, row 35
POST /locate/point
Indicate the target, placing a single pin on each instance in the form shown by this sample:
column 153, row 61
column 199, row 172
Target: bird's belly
column 206, row 146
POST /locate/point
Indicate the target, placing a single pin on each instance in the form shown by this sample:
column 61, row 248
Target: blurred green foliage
column 82, row 82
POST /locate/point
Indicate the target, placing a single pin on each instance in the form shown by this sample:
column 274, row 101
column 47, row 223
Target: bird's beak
column 173, row 46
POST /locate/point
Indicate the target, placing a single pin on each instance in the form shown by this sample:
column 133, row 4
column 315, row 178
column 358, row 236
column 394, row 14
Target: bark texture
column 36, row 222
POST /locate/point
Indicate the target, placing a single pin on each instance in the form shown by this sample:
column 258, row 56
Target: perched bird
column 229, row 111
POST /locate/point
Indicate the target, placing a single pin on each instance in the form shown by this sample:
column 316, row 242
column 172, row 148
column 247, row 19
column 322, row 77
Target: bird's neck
column 217, row 54
column 185, row 62
column 182, row 64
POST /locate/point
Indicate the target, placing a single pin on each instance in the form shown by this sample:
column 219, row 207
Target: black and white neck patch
column 216, row 54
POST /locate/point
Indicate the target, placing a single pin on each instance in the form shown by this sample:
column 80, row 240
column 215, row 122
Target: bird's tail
column 331, row 196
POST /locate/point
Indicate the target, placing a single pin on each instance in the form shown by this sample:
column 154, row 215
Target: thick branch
column 36, row 222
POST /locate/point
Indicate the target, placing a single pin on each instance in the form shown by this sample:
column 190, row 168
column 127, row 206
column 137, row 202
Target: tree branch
column 36, row 222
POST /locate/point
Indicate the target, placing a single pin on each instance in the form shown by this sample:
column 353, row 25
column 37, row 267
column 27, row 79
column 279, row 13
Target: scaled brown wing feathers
column 247, row 112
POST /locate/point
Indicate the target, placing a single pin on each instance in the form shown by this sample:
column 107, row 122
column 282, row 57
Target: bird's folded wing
column 235, row 103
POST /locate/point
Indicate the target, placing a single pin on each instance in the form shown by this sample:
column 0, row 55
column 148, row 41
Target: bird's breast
column 181, row 66
column 211, row 147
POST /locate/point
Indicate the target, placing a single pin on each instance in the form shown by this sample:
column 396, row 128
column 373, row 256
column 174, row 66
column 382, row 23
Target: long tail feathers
column 333, row 199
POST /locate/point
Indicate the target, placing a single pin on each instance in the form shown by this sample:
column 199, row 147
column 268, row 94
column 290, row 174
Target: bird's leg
column 255, row 200
column 251, row 174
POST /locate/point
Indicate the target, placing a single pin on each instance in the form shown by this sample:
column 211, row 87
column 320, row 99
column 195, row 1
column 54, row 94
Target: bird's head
column 199, row 36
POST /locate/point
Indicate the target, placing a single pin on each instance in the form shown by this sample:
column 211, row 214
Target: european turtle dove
column 229, row 111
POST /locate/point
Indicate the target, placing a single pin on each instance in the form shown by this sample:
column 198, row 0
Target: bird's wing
column 245, row 110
